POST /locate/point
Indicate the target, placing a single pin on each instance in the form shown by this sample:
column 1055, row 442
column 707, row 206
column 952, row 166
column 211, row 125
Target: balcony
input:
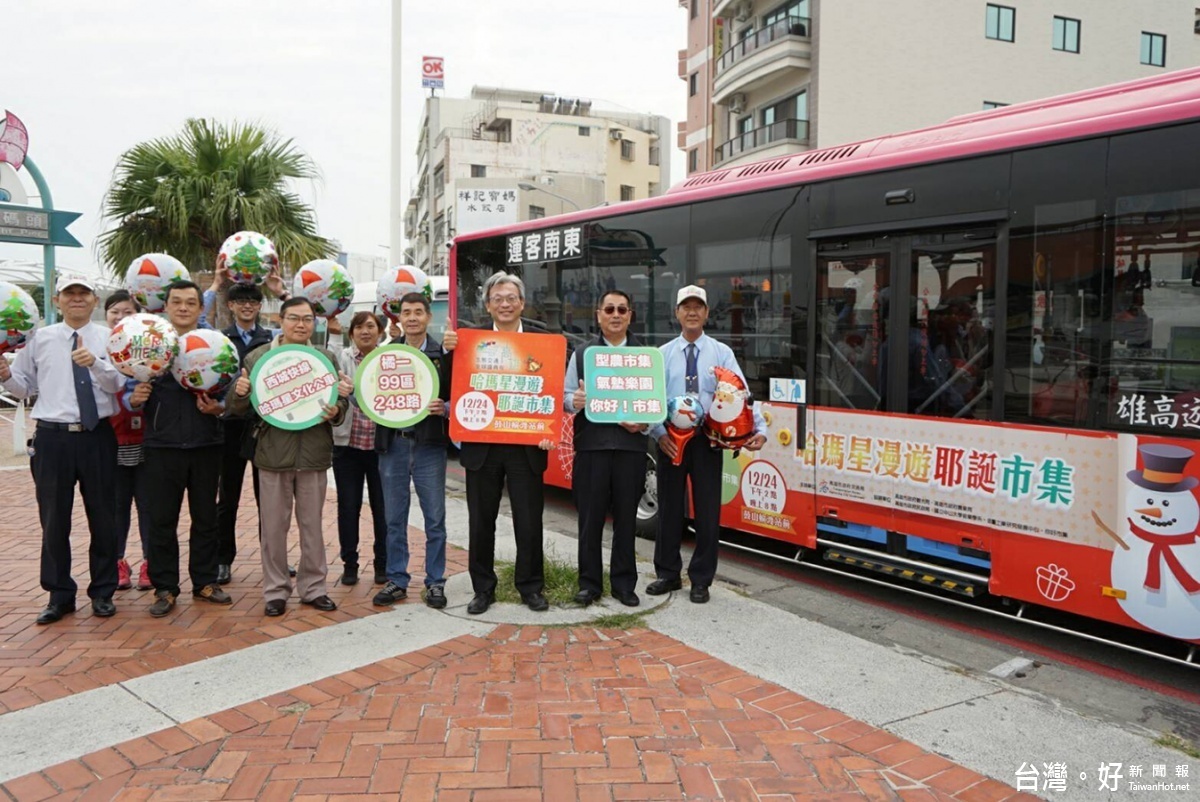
column 793, row 132
column 762, row 56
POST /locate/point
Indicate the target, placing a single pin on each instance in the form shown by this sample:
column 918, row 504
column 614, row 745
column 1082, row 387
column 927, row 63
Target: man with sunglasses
column 610, row 468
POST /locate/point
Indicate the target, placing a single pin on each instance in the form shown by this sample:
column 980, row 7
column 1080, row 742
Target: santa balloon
column 207, row 362
column 729, row 422
column 327, row 286
column 18, row 316
column 249, row 257
column 148, row 276
column 142, row 346
column 1157, row 563
column 684, row 417
column 398, row 282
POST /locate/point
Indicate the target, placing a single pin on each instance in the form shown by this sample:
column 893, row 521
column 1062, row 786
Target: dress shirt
column 709, row 354
column 571, row 384
column 44, row 368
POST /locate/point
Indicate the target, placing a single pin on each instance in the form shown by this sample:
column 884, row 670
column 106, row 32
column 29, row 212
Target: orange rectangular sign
column 507, row 387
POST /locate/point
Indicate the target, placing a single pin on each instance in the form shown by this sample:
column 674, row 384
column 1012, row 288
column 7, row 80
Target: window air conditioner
column 614, row 134
column 737, row 103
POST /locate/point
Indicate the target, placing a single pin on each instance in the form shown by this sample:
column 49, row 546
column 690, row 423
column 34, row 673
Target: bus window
column 853, row 308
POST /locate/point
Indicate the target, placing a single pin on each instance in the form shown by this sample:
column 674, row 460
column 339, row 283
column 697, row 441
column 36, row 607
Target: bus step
column 930, row 579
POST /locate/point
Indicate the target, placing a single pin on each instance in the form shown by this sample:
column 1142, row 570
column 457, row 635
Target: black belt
column 408, row 435
column 68, row 427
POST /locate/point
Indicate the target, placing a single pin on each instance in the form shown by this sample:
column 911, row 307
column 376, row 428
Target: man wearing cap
column 689, row 360
column 67, row 367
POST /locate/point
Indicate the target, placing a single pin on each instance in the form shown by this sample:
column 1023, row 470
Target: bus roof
column 1171, row 97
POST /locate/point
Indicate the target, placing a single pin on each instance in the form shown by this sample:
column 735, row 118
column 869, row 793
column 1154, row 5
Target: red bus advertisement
column 986, row 336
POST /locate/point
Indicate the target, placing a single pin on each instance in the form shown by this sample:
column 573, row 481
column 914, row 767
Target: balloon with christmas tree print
column 18, row 316
column 249, row 257
column 207, row 362
column 398, row 282
column 326, row 285
column 148, row 276
column 142, row 346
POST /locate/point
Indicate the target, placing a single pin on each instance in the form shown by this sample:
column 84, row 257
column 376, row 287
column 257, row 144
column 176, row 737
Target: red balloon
column 729, row 421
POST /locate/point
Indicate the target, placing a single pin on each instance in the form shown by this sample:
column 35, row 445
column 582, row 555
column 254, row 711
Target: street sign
column 433, row 72
column 36, row 226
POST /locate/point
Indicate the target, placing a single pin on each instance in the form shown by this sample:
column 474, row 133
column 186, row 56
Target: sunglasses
column 620, row 310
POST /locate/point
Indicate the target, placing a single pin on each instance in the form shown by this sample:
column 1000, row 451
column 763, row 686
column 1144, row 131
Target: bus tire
column 646, row 525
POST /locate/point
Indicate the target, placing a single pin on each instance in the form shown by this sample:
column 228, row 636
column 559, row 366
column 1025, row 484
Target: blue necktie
column 692, row 378
column 89, row 416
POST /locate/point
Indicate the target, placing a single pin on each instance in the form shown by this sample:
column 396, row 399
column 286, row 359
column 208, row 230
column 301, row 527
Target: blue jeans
column 425, row 464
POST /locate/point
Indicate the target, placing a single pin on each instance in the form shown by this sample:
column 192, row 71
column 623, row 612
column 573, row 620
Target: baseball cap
column 74, row 280
column 691, row 291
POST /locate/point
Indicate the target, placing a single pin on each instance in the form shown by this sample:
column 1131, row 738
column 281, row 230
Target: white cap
column 691, row 291
column 74, row 280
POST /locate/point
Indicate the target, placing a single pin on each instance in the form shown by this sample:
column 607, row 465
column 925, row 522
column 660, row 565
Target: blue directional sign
column 36, row 226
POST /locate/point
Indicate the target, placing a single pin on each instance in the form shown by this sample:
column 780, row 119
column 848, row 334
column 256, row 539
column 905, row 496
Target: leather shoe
column 54, row 612
column 699, row 594
column 224, row 575
column 103, row 608
column 322, row 603
column 291, row 570
column 586, row 597
column 626, row 597
column 275, row 607
column 536, row 602
column 480, row 603
column 660, row 586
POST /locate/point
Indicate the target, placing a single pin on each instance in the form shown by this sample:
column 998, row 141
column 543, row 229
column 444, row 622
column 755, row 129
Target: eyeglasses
column 246, row 302
column 307, row 320
column 620, row 310
column 500, row 300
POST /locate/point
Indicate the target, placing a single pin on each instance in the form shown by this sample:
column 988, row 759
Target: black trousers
column 485, row 486
column 131, row 490
column 233, row 472
column 170, row 472
column 602, row 481
column 60, row 460
column 701, row 464
column 351, row 467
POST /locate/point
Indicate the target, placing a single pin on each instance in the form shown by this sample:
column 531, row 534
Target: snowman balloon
column 1158, row 564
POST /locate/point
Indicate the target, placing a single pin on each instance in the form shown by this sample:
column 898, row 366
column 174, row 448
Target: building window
column 537, row 212
column 1154, row 49
column 792, row 108
column 626, row 192
column 585, row 130
column 1001, row 23
column 627, row 149
column 693, row 160
column 693, row 84
column 478, row 171
column 991, row 104
column 695, row 8
column 1066, row 34
column 655, row 156
column 796, row 14
column 746, row 124
column 439, row 180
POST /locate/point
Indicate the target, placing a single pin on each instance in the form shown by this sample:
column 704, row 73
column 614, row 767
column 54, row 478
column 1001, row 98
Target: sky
column 91, row 79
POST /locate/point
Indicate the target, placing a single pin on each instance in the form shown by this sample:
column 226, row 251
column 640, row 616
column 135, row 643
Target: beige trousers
column 279, row 491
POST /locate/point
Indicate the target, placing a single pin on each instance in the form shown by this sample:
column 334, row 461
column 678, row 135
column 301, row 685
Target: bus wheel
column 647, row 509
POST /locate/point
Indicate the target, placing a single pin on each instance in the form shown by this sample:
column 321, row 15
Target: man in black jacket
column 610, row 468
column 489, row 465
column 417, row 454
column 245, row 304
column 184, row 439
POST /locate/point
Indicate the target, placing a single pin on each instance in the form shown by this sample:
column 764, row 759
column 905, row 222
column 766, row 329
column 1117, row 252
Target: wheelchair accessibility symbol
column 788, row 391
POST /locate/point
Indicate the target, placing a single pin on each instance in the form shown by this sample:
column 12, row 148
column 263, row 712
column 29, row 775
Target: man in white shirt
column 67, row 367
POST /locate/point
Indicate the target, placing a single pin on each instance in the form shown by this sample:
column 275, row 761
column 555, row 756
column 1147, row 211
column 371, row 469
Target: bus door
column 905, row 327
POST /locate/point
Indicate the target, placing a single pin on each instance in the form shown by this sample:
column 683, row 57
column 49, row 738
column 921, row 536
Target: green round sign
column 291, row 384
column 394, row 385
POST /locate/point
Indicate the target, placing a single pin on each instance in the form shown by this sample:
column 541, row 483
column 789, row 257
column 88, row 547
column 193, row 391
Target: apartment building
column 766, row 78
column 501, row 156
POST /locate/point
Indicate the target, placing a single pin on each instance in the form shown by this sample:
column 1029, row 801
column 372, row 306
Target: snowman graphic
column 1158, row 562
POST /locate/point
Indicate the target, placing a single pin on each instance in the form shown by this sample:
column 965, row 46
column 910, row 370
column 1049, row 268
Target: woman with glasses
column 610, row 468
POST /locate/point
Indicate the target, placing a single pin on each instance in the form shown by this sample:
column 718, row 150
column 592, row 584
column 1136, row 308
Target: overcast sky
column 90, row 79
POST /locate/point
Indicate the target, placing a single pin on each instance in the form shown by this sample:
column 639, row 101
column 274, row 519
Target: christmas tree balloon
column 18, row 316
column 249, row 257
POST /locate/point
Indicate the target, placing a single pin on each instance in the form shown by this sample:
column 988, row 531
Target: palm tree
column 184, row 194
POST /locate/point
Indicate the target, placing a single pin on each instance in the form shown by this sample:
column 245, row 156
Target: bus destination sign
column 545, row 246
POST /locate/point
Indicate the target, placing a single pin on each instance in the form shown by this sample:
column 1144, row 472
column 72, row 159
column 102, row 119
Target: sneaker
column 389, row 594
column 144, row 582
column 124, row 575
column 212, row 593
column 435, row 597
column 164, row 602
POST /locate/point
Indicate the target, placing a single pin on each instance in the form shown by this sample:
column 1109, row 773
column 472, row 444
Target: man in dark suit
column 245, row 304
column 489, row 465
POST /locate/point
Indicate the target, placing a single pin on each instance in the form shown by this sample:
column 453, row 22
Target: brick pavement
column 523, row 714
column 82, row 652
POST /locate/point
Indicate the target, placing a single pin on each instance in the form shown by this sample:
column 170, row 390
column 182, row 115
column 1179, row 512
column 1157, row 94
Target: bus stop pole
column 48, row 248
